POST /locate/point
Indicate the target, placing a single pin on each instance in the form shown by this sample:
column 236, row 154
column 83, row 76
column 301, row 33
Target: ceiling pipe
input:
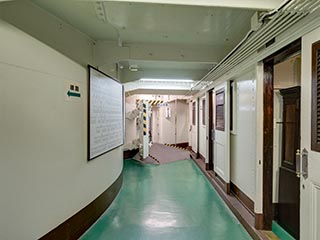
column 282, row 18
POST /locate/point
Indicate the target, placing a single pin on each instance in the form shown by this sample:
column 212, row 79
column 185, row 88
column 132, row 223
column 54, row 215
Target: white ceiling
column 154, row 23
column 164, row 26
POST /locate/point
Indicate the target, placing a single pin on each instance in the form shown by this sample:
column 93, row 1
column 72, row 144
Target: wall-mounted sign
column 72, row 91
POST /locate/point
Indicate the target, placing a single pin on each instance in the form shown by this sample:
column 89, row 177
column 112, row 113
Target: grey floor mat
column 161, row 154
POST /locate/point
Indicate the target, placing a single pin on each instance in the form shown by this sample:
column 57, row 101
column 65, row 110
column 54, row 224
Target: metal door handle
column 298, row 160
column 304, row 163
column 212, row 134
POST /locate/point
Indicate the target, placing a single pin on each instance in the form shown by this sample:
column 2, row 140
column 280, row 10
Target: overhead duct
column 273, row 24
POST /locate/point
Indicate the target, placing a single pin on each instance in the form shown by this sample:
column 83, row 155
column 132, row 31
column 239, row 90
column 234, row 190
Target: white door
column 222, row 132
column 194, row 124
column 190, row 124
column 310, row 186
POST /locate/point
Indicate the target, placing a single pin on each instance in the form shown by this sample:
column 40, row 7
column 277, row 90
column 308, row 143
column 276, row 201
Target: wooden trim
column 315, row 145
column 224, row 185
column 276, row 211
column 76, row 225
column 209, row 166
column 242, row 197
column 258, row 221
column 267, row 144
column 269, row 62
column 130, row 153
column 202, row 157
column 285, row 52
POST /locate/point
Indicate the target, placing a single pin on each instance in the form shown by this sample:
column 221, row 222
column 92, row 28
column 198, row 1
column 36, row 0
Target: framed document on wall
column 105, row 113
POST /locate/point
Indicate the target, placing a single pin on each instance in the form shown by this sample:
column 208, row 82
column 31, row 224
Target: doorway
column 289, row 184
column 281, row 139
column 209, row 165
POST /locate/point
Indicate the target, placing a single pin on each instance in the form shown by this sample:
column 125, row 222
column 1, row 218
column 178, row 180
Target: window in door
column 194, row 113
column 203, row 111
column 315, row 122
column 220, row 108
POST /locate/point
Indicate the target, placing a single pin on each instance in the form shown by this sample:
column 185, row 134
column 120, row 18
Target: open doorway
column 209, row 165
column 286, row 143
column 281, row 189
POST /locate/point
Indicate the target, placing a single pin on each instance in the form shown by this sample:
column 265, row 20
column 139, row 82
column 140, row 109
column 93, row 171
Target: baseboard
column 242, row 197
column 225, row 186
column 258, row 221
column 76, row 225
column 209, row 166
column 275, row 211
column 242, row 213
column 183, row 145
column 130, row 153
column 202, row 157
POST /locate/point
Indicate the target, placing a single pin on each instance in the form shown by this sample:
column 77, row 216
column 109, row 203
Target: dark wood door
column 289, row 182
column 211, row 131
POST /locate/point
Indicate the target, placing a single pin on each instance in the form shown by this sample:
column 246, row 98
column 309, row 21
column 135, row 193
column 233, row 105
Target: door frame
column 198, row 126
column 209, row 165
column 268, row 121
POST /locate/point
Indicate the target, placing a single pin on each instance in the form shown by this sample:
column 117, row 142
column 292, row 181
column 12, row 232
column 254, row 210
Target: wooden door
column 289, row 182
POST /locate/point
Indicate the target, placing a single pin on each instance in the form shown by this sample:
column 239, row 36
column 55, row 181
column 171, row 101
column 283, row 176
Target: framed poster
column 105, row 113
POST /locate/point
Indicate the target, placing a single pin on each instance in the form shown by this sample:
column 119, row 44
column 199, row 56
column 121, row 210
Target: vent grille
column 315, row 115
column 318, row 94
column 220, row 120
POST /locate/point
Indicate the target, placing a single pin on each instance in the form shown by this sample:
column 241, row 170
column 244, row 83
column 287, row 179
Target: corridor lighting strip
column 166, row 80
column 282, row 19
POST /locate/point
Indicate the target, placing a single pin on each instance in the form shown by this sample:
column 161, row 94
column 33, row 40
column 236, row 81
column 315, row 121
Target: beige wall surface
column 44, row 174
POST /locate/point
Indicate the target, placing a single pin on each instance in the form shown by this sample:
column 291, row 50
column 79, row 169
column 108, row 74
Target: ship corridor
column 159, row 119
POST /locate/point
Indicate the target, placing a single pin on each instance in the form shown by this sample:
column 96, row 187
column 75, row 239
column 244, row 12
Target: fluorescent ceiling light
column 166, row 80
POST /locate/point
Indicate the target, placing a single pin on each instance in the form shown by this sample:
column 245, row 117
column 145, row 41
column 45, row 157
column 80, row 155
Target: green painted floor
column 167, row 202
column 280, row 232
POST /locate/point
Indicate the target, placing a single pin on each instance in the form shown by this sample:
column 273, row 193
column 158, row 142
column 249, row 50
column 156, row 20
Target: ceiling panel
column 154, row 23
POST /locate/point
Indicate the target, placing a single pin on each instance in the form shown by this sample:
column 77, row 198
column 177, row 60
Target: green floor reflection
column 171, row 201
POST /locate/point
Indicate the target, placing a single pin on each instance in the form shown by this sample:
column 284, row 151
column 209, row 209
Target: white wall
column 243, row 138
column 288, row 73
column 167, row 126
column 165, row 130
column 44, row 174
column 182, row 111
column 155, row 124
column 130, row 124
column 202, row 130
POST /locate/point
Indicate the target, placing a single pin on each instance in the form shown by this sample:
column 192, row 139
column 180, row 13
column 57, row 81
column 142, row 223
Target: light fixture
column 133, row 68
column 166, row 80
